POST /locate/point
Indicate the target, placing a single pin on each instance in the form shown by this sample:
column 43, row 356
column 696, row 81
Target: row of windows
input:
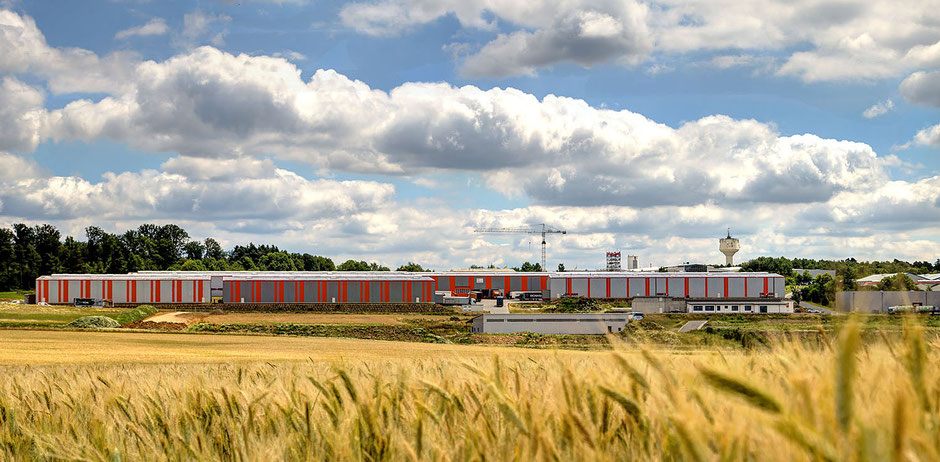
column 746, row 308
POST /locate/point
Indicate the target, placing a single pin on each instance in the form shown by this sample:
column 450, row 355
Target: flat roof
column 558, row 316
column 392, row 274
column 750, row 300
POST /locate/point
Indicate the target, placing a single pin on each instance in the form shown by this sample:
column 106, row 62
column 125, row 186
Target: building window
column 763, row 308
column 697, row 308
column 709, row 308
column 747, row 307
column 734, row 307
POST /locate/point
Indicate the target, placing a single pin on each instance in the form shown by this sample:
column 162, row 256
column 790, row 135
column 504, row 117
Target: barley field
column 334, row 399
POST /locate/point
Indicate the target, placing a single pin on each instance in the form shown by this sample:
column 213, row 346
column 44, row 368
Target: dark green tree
column 848, row 279
column 194, row 250
column 898, row 282
column 72, row 255
column 8, row 280
column 318, row 263
column 213, row 249
column 47, row 245
column 277, row 261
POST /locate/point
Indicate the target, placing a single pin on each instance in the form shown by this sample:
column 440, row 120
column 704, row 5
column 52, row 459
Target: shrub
column 137, row 314
column 574, row 305
column 93, row 322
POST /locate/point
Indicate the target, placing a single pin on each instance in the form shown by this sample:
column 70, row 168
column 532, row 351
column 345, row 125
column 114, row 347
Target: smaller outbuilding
column 551, row 324
column 739, row 306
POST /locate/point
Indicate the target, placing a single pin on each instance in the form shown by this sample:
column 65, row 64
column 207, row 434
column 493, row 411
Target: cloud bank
column 614, row 178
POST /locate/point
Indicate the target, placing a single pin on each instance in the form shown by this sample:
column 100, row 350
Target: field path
column 35, row 347
column 178, row 317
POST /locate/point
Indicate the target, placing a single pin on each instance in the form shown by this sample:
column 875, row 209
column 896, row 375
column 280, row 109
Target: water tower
column 729, row 246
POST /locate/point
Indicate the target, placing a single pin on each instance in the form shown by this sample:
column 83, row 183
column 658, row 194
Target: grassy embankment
column 53, row 316
column 335, row 399
column 724, row 330
column 14, row 294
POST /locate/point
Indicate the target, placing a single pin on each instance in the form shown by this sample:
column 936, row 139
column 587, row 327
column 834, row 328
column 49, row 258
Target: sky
column 389, row 130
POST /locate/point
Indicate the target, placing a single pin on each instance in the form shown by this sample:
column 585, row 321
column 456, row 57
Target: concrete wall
column 570, row 324
column 657, row 304
column 870, row 301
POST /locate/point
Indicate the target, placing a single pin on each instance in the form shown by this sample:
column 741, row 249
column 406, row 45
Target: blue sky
column 809, row 127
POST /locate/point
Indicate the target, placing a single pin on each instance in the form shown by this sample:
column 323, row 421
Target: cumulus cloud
column 929, row 136
column 15, row 168
column 272, row 194
column 156, row 26
column 878, row 109
column 66, row 69
column 584, row 37
column 892, row 205
column 616, row 178
column 22, row 116
column 922, row 88
column 824, row 40
column 207, row 103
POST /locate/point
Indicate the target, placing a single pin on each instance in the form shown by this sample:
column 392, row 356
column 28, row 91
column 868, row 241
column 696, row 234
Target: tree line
column 847, row 271
column 27, row 252
column 822, row 288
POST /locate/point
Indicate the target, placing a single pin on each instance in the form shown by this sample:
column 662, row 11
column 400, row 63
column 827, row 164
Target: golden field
column 134, row 396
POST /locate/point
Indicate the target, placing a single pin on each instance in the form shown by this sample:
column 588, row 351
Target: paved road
column 490, row 305
column 824, row 310
column 692, row 325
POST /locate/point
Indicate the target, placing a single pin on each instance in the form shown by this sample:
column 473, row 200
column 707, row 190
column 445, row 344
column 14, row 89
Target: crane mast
column 543, row 231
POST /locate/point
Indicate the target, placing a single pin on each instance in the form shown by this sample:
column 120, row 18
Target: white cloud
column 22, row 116
column 584, row 37
column 67, row 69
column 198, row 24
column 922, row 88
column 824, row 40
column 929, row 136
column 191, row 189
column 879, row 108
column 290, row 55
column 14, row 168
column 156, row 26
column 208, row 103
column 616, row 178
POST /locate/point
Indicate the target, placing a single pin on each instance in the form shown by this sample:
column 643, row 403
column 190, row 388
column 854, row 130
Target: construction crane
column 543, row 231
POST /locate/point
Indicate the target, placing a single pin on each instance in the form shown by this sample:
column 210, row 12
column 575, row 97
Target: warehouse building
column 551, row 324
column 676, row 285
column 250, row 287
column 397, row 287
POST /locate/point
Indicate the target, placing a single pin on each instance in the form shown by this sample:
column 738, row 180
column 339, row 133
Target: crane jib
column 543, row 231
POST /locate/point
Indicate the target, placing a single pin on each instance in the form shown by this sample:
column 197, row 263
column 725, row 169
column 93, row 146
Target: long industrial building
column 168, row 287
